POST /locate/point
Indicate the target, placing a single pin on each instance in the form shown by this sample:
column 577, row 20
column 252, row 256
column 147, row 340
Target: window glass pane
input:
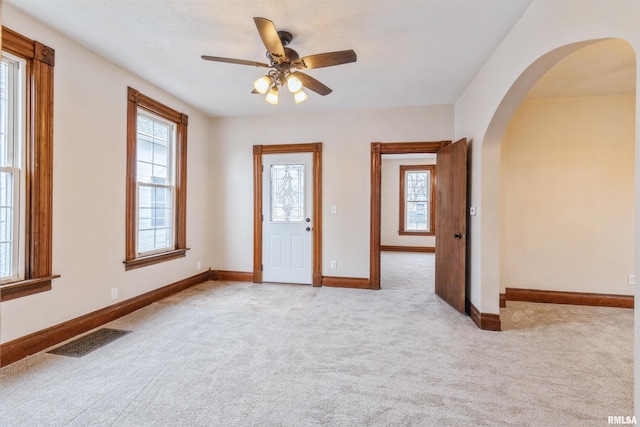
column 155, row 215
column 417, row 216
column 4, row 112
column 6, row 224
column 145, row 126
column 145, row 218
column 10, row 112
column 162, row 238
column 144, row 171
column 160, row 155
column 162, row 196
column 153, row 151
column 417, row 184
column 161, row 132
column 159, row 175
column 287, row 193
column 145, row 241
column 145, row 149
column 144, row 196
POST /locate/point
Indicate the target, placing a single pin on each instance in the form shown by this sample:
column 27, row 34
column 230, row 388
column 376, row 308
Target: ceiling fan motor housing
column 285, row 37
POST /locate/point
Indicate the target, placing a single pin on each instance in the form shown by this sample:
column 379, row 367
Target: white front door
column 286, row 218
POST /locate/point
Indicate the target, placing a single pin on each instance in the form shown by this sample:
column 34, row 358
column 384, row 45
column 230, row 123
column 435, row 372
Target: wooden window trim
column 137, row 100
column 38, row 264
column 432, row 214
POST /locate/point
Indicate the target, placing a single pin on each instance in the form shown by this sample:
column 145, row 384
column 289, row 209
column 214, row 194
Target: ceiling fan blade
column 312, row 84
column 326, row 59
column 270, row 38
column 234, row 61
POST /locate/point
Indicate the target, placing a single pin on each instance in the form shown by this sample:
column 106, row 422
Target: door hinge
column 261, row 267
column 262, row 218
column 262, row 168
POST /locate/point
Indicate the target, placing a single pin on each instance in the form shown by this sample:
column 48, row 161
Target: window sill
column 26, row 287
column 154, row 259
column 416, row 233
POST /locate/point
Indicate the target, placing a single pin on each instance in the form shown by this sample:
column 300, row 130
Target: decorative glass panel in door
column 287, row 193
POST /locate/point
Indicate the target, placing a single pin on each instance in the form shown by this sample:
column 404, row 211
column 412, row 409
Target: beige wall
column 346, row 138
column 90, row 100
column 546, row 33
column 567, row 176
column 390, row 204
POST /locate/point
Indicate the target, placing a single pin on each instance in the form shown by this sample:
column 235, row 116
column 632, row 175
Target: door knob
column 308, row 220
column 308, row 228
column 459, row 236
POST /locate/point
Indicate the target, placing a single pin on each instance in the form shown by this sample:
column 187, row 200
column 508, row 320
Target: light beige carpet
column 242, row 354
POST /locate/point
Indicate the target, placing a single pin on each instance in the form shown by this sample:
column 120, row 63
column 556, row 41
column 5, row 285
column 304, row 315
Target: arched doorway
column 499, row 261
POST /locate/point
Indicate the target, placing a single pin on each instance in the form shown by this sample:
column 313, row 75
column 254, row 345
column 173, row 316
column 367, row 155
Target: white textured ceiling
column 410, row 52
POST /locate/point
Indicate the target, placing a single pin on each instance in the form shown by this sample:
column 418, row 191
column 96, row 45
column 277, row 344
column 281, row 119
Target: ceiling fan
column 282, row 60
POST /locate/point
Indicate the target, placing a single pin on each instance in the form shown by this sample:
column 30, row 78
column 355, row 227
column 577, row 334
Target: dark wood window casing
column 38, row 265
column 137, row 100
column 432, row 208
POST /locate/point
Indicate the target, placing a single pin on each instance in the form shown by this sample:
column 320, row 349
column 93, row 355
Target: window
column 26, row 167
column 12, row 97
column 417, row 199
column 156, row 182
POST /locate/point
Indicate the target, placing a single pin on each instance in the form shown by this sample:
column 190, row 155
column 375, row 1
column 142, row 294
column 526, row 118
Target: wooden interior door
column 451, row 224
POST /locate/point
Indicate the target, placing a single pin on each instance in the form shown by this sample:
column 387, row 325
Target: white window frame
column 16, row 144
column 171, row 183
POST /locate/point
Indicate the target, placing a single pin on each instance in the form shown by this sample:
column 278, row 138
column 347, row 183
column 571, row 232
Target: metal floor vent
column 88, row 343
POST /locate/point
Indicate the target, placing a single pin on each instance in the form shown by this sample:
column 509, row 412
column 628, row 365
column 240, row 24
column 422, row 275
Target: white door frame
column 258, row 151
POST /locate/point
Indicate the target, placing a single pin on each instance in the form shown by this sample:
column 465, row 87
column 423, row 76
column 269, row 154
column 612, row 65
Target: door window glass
column 287, row 193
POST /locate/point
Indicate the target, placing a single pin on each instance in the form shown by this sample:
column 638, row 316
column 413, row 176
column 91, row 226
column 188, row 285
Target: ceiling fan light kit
column 262, row 85
column 293, row 83
column 272, row 96
column 282, row 59
column 300, row 96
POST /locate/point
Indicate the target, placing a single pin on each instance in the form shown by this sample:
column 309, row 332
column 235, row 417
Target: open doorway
column 567, row 183
column 451, row 217
column 377, row 151
column 407, row 231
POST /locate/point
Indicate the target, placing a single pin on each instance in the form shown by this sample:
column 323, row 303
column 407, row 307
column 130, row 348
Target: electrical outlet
column 632, row 279
column 334, row 265
column 198, row 265
column 114, row 293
